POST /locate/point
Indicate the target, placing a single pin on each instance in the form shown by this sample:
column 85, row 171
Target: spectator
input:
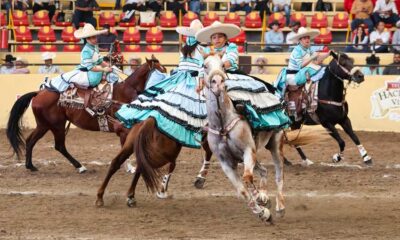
column 396, row 37
column 84, row 12
column 372, row 70
column 295, row 28
column 240, row 5
column 155, row 6
column 105, row 40
column 393, row 68
column 6, row 4
column 8, row 66
column 22, row 5
column 48, row 67
column 139, row 5
column 379, row 37
column 117, row 5
column 385, row 11
column 195, row 6
column 282, row 5
column 260, row 60
column 360, row 37
column 176, row 6
column 21, row 66
column 273, row 36
column 262, row 7
column 134, row 62
column 47, row 5
column 362, row 10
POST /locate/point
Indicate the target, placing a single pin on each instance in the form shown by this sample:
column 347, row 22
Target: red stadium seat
column 25, row 48
column 46, row 34
column 131, row 34
column 154, row 35
column 48, row 48
column 3, row 19
column 132, row 48
column 154, row 48
column 277, row 17
column 107, row 18
column 60, row 24
column 239, row 39
column 209, row 18
column 299, row 17
column 168, row 19
column 188, row 18
column 41, row 18
column 232, row 17
column 340, row 20
column 71, row 48
column 20, row 18
column 241, row 49
column 325, row 37
column 67, row 34
column 252, row 20
column 131, row 23
column 319, row 20
column 23, row 34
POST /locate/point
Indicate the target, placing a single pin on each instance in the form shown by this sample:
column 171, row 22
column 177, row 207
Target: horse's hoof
column 199, row 183
column 307, row 163
column 287, row 162
column 266, row 216
column 280, row 213
column 163, row 195
column 131, row 202
column 367, row 160
column 99, row 203
column 82, row 169
column 32, row 168
column 336, row 158
column 263, row 200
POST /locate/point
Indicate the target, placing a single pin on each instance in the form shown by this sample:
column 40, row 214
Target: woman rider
column 90, row 71
column 262, row 108
column 179, row 111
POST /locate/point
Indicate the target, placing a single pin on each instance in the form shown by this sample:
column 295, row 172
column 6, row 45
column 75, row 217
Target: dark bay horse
column 332, row 106
column 50, row 116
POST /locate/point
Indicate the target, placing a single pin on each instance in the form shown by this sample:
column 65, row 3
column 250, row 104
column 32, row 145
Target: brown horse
column 50, row 116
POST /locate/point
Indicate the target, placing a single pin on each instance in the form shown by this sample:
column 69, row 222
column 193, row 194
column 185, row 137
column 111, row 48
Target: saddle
column 301, row 100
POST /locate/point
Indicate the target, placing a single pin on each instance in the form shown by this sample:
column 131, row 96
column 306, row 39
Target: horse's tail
column 144, row 155
column 14, row 134
column 305, row 137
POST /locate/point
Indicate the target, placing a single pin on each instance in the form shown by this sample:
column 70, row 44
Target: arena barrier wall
column 374, row 105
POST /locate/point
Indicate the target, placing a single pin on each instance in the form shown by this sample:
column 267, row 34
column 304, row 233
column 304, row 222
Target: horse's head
column 153, row 63
column 343, row 67
column 215, row 75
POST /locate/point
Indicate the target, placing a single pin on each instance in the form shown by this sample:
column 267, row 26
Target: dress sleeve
column 231, row 54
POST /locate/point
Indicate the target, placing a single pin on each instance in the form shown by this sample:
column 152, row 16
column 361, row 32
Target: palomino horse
column 332, row 106
column 50, row 116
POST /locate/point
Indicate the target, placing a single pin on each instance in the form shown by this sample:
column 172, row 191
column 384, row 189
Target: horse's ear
column 153, row 57
column 147, row 60
column 334, row 55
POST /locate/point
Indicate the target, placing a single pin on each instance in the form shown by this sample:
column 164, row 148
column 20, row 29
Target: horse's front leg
column 335, row 134
column 201, row 177
column 347, row 127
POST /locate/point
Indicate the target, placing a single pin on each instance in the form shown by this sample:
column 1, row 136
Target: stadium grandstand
column 27, row 32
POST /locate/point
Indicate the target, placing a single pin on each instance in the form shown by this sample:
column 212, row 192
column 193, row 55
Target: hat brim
column 187, row 31
column 80, row 34
column 230, row 30
column 311, row 33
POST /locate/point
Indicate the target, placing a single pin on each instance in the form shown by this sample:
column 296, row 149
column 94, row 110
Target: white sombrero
column 230, row 30
column 88, row 31
column 303, row 32
column 191, row 31
column 48, row 55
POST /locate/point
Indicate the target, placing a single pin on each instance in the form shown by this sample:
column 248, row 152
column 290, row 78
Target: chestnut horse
column 50, row 116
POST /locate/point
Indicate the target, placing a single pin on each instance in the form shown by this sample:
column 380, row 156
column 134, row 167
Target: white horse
column 230, row 139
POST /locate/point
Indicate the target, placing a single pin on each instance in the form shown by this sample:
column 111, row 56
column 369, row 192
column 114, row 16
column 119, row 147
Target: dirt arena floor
column 347, row 201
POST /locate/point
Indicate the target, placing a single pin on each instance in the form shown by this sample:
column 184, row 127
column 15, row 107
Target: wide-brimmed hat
column 373, row 59
column 191, row 31
column 48, row 55
column 304, row 32
column 230, row 30
column 9, row 58
column 88, row 31
column 398, row 24
column 22, row 60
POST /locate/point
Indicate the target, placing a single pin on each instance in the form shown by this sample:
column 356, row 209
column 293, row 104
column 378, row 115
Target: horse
column 50, row 116
column 332, row 108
